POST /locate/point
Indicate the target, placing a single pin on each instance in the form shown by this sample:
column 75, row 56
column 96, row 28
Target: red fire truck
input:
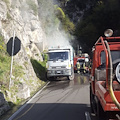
column 105, row 78
column 76, row 59
column 82, row 60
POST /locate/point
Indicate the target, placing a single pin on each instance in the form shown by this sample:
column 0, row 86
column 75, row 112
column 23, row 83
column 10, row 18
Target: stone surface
column 23, row 92
column 20, row 17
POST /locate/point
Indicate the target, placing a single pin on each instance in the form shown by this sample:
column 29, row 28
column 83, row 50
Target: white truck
column 60, row 63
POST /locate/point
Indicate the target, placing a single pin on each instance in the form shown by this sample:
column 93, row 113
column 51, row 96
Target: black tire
column 46, row 76
column 96, row 107
column 101, row 115
column 71, row 77
column 91, row 100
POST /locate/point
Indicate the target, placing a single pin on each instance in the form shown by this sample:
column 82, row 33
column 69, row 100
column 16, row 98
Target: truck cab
column 60, row 63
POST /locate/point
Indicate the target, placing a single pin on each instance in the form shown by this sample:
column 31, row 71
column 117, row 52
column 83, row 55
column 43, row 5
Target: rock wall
column 20, row 17
column 35, row 23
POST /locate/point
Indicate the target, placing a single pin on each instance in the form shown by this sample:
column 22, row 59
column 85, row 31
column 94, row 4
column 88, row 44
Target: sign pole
column 12, row 60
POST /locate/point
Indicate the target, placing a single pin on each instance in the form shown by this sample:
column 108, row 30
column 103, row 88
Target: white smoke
column 51, row 24
column 58, row 38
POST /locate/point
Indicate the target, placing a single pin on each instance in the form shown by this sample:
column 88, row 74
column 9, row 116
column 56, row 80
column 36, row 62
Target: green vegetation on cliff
column 5, row 62
column 103, row 15
column 17, row 72
column 67, row 24
column 92, row 18
column 4, row 65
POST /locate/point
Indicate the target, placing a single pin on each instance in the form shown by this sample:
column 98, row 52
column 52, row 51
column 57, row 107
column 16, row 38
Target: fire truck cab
column 84, row 61
column 105, row 78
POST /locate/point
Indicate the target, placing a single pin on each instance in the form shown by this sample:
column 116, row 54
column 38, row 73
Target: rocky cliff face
column 35, row 23
column 21, row 17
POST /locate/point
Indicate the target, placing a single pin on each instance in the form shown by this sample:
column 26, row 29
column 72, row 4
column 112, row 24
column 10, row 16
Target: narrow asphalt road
column 60, row 100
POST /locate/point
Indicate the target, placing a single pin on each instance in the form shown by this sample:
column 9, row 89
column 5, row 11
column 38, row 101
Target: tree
column 103, row 15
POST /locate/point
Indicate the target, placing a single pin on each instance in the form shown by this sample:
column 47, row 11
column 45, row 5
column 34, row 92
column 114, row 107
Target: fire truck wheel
column 101, row 115
column 91, row 100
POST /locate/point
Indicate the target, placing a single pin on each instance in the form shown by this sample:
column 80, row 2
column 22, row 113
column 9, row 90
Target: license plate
column 58, row 72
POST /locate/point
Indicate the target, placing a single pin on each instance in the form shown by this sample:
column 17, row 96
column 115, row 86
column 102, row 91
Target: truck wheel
column 71, row 77
column 91, row 100
column 101, row 115
column 46, row 76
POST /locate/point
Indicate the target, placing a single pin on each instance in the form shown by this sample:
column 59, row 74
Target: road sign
column 16, row 46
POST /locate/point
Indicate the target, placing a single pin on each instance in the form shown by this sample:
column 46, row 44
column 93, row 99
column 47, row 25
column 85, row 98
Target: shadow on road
column 54, row 111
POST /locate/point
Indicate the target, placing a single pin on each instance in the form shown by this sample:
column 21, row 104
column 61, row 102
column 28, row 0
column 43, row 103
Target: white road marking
column 87, row 115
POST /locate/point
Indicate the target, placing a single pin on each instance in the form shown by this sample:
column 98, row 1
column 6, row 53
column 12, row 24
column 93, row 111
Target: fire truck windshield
column 115, row 54
column 55, row 56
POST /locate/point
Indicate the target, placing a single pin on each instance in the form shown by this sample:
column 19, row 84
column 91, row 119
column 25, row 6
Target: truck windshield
column 57, row 56
column 114, row 54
